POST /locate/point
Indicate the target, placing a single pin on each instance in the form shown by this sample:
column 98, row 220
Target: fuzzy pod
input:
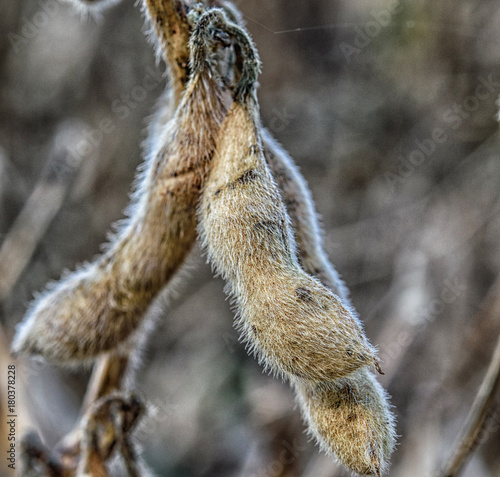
column 101, row 304
column 296, row 325
column 350, row 419
column 363, row 443
column 300, row 207
column 170, row 23
column 170, row 32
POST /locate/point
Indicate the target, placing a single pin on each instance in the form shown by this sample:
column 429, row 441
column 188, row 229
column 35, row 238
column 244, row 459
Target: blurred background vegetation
column 388, row 107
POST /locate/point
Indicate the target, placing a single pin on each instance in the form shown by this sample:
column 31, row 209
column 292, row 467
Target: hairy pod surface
column 300, row 206
column 171, row 32
column 329, row 424
column 296, row 325
column 98, row 306
column 350, row 420
column 337, row 434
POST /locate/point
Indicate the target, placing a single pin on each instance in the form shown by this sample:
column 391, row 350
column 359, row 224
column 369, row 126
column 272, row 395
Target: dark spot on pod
column 325, row 306
column 304, row 294
column 346, row 391
column 254, row 149
column 148, row 286
column 349, row 352
column 119, row 298
column 351, row 417
column 186, row 140
column 276, row 229
column 247, row 176
column 217, row 192
column 275, row 256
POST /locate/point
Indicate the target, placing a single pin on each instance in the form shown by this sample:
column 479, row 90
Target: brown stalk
column 107, row 377
column 476, row 419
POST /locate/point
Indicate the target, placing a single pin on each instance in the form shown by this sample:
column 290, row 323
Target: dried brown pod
column 171, row 25
column 300, row 207
column 296, row 325
column 339, row 435
column 364, row 443
column 351, row 420
column 101, row 304
column 171, row 30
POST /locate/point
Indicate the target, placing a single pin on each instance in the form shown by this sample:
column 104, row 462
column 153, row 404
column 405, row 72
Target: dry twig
column 470, row 435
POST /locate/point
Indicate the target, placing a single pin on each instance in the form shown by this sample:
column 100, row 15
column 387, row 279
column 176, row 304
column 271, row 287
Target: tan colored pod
column 170, row 21
column 300, row 207
column 330, row 425
column 101, row 304
column 171, row 31
column 171, row 24
column 351, row 420
column 295, row 324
